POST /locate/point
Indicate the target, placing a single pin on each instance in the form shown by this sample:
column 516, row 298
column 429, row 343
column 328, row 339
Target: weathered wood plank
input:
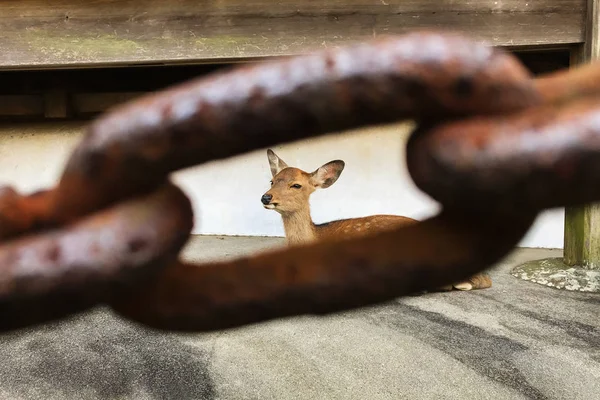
column 37, row 34
column 582, row 224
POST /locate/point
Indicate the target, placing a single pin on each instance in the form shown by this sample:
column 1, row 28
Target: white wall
column 226, row 194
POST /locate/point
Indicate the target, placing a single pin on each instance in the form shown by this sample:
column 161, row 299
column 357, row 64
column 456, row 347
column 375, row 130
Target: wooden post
column 582, row 224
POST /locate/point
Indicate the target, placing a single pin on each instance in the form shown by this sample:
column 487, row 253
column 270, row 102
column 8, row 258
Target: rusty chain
column 493, row 145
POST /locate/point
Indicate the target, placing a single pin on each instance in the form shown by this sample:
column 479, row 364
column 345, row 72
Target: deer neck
column 299, row 227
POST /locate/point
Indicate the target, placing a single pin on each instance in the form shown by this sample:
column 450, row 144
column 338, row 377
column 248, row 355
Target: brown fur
column 292, row 202
column 354, row 227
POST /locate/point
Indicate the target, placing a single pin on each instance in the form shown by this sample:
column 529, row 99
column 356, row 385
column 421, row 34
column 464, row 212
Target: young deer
column 289, row 196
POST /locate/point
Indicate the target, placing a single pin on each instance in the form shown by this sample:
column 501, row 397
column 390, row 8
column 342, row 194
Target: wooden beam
column 94, row 103
column 87, row 92
column 21, row 105
column 55, row 103
column 582, row 224
column 71, row 33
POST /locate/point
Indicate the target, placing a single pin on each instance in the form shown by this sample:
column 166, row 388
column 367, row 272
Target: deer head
column 291, row 187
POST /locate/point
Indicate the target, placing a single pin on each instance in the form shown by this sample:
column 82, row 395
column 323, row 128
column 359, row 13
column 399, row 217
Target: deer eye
column 271, row 182
column 296, row 186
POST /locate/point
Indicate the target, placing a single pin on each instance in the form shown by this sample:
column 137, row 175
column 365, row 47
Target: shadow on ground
column 98, row 356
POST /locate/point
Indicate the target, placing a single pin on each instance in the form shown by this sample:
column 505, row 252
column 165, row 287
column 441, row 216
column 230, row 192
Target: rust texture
column 55, row 273
column 323, row 278
column 489, row 140
column 544, row 157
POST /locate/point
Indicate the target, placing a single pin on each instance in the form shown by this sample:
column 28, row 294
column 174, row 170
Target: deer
column 289, row 196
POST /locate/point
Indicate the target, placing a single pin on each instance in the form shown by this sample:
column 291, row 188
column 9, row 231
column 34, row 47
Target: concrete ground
column 517, row 340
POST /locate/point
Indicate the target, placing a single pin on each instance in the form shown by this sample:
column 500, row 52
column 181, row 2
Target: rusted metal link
column 483, row 145
column 323, row 278
column 544, row 157
column 53, row 274
column 570, row 84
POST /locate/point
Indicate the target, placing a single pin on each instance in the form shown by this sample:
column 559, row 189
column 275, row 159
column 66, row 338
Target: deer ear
column 327, row 174
column 276, row 163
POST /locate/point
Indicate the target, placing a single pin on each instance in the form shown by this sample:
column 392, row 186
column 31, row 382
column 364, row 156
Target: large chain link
column 493, row 145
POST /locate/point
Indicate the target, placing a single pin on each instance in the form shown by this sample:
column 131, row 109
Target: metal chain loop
column 493, row 145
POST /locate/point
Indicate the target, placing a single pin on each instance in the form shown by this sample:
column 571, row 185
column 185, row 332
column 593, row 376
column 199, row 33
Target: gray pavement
column 517, row 340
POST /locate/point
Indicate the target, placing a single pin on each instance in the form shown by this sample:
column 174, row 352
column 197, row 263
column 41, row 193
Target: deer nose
column 266, row 199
